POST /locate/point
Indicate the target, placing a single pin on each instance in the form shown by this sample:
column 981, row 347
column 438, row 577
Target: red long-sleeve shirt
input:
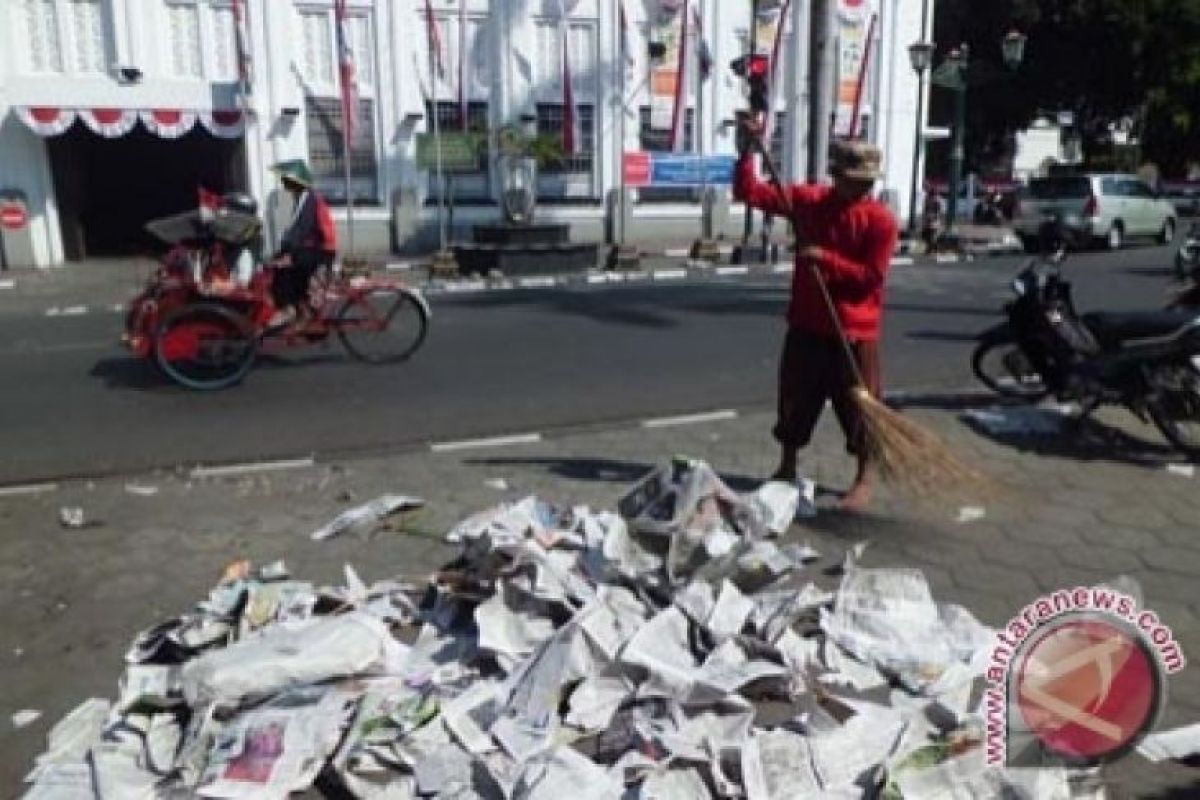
column 858, row 240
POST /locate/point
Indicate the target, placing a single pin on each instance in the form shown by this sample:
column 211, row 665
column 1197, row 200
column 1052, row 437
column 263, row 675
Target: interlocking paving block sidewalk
column 1070, row 511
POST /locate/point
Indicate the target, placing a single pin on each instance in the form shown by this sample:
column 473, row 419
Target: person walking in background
column 850, row 239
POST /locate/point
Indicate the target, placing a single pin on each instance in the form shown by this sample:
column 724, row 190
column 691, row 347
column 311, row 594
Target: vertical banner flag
column 435, row 47
column 859, row 90
column 776, row 41
column 346, row 73
column 704, row 58
column 463, row 109
column 626, row 38
column 852, row 23
column 572, row 134
column 679, row 108
column 245, row 66
column 664, row 75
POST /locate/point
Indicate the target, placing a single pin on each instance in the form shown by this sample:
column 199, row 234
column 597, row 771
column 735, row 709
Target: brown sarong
column 813, row 370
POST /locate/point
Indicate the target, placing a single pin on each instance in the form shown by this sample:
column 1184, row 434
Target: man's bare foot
column 858, row 499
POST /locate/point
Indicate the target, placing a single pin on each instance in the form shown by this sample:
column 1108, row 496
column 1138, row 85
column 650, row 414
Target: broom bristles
column 912, row 458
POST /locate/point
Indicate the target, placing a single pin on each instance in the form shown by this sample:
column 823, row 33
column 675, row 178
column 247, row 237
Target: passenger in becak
column 850, row 238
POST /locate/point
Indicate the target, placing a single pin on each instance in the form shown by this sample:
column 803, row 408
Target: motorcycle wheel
column 205, row 346
column 1003, row 368
column 1175, row 406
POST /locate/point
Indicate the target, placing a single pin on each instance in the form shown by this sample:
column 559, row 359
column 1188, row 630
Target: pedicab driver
column 309, row 242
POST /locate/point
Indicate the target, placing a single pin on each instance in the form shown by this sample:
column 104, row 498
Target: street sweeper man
column 849, row 238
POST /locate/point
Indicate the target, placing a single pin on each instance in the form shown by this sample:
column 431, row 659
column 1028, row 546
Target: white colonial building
column 113, row 112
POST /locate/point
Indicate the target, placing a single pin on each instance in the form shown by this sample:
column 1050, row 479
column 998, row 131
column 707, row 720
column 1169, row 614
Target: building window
column 184, row 27
column 653, row 140
column 550, row 124
column 317, row 59
column 326, row 153
column 66, row 35
column 224, row 43
column 318, row 56
column 45, row 47
column 87, row 28
column 474, row 185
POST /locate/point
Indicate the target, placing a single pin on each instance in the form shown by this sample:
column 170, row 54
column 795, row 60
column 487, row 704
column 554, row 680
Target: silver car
column 1104, row 208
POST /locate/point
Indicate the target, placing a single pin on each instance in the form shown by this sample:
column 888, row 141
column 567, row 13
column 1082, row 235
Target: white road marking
column 902, row 261
column 946, row 258
column 679, row 252
column 669, row 274
column 116, row 308
column 8, row 284
column 781, row 269
column 74, row 311
column 494, row 441
column 251, row 468
column 594, row 279
column 398, row 266
column 690, row 419
column 466, row 286
column 30, row 488
column 733, row 270
column 53, row 311
column 540, row 282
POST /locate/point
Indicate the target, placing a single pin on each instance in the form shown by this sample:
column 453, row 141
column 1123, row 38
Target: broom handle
column 773, row 174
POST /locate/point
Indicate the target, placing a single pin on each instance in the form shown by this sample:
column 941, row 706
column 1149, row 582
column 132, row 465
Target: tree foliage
column 1131, row 62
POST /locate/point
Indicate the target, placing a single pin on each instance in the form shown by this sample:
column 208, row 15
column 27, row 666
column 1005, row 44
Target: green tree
column 1106, row 61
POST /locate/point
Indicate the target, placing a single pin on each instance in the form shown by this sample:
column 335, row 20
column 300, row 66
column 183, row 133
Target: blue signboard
column 682, row 169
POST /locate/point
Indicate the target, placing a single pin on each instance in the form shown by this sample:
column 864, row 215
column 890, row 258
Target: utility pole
column 821, row 75
column 797, row 91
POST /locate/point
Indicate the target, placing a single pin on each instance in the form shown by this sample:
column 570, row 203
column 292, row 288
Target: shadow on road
column 942, row 336
column 1151, row 272
column 142, row 374
column 605, row 470
column 1081, row 440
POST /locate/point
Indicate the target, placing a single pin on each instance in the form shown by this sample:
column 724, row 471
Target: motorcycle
column 1147, row 362
column 1187, row 257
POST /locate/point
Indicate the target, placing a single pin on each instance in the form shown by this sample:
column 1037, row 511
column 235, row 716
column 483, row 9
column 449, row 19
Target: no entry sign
column 13, row 216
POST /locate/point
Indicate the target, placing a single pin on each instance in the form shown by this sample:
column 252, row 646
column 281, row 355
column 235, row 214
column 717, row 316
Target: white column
column 797, row 93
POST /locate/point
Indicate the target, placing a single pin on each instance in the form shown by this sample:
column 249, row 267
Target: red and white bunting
column 169, row 123
column 224, row 123
column 46, row 120
column 110, row 123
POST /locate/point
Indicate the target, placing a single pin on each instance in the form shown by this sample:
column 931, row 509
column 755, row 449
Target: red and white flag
column 435, row 46
column 245, row 65
column 626, row 36
column 572, row 130
column 679, row 111
column 463, row 107
column 347, row 74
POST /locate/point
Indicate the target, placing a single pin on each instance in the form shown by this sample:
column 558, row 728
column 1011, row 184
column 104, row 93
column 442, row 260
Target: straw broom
column 905, row 454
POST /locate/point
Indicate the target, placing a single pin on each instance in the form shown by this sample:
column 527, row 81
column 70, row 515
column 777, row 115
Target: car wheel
column 1116, row 237
column 1167, row 234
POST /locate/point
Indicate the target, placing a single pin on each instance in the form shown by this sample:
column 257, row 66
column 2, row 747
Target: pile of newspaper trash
column 673, row 650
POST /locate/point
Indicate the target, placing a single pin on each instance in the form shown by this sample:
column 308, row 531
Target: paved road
column 75, row 404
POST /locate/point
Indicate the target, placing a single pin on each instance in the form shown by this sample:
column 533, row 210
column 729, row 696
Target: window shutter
column 223, row 47
column 318, row 48
column 87, row 26
column 185, row 40
column 45, row 49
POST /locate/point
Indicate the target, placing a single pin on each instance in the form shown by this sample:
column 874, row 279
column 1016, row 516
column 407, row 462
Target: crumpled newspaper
column 670, row 651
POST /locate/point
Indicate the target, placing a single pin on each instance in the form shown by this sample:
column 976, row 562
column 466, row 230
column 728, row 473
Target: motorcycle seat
column 1113, row 329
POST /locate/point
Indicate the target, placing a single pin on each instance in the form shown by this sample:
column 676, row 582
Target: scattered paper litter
column 362, row 518
column 968, row 514
column 499, row 484
column 669, row 652
column 141, row 490
column 1182, row 470
column 71, row 517
column 25, row 717
column 1179, row 743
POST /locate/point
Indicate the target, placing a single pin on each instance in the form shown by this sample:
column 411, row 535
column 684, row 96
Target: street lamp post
column 920, row 54
column 956, row 76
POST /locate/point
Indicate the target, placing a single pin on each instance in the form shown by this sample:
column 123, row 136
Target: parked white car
column 1104, row 208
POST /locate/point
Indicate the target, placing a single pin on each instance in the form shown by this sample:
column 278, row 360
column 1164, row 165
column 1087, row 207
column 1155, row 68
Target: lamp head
column 1013, row 48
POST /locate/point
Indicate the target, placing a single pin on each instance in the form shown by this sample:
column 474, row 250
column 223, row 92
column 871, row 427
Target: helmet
column 240, row 202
